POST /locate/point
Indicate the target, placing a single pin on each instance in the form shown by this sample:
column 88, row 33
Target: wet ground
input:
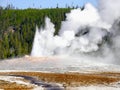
column 65, row 81
column 46, row 86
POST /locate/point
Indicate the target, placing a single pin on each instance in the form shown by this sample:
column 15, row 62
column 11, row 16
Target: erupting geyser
column 86, row 38
column 90, row 33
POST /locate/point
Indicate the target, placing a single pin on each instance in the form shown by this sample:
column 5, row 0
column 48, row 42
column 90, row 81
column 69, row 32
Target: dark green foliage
column 17, row 28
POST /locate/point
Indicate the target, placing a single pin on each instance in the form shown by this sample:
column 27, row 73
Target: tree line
column 17, row 28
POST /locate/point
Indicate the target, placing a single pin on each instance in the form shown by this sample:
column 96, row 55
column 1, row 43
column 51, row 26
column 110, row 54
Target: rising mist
column 92, row 33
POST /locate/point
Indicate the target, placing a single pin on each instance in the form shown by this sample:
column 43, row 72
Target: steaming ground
column 57, row 64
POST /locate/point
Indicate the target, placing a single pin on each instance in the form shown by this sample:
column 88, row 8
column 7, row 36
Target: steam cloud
column 90, row 32
column 109, row 10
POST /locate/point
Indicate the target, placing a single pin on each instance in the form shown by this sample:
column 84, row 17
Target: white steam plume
column 43, row 40
column 77, row 19
column 82, row 31
column 90, row 32
column 109, row 10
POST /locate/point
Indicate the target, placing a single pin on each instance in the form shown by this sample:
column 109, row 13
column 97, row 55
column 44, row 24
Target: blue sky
column 22, row 4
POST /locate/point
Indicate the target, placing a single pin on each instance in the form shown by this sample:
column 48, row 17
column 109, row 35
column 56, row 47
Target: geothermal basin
column 85, row 55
